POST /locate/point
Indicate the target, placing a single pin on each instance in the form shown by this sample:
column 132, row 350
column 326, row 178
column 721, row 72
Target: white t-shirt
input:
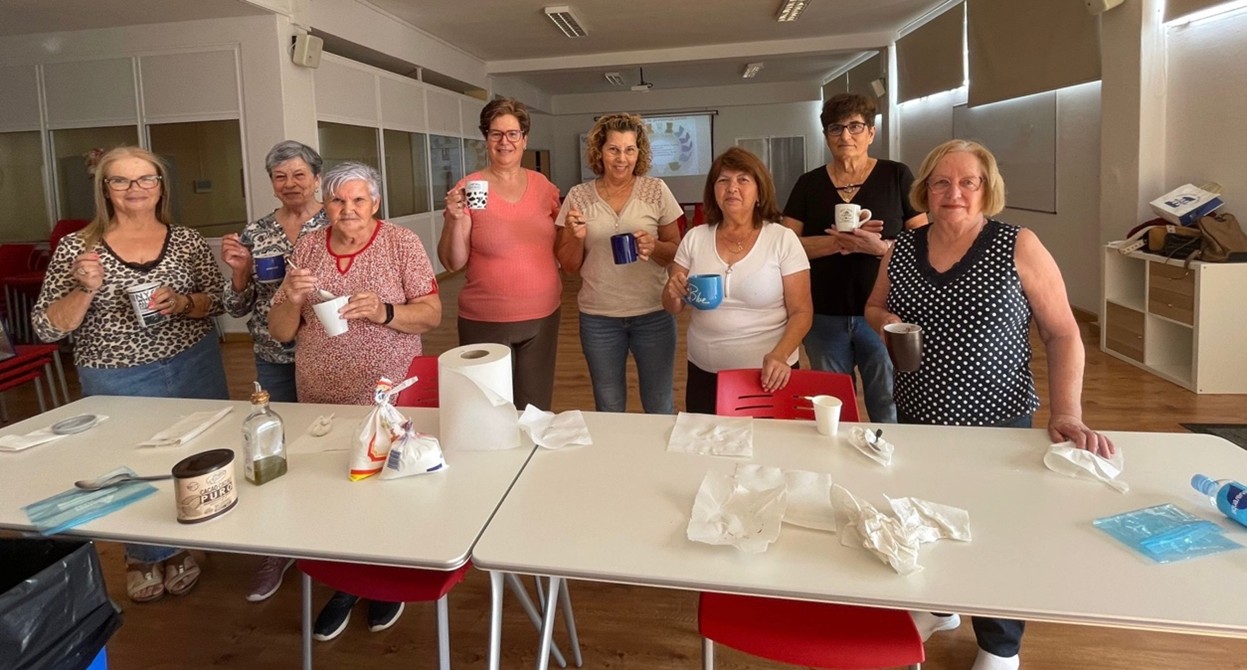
column 751, row 319
column 621, row 290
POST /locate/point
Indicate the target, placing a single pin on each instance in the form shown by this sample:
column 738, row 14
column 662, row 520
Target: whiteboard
column 1021, row 133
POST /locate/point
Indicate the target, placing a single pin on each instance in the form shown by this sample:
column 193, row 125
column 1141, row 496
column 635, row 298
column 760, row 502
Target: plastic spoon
column 116, row 480
column 324, row 295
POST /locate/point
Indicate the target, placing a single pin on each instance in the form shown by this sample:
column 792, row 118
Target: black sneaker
column 383, row 615
column 333, row 616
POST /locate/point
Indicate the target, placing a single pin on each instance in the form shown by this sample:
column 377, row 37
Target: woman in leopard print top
column 132, row 241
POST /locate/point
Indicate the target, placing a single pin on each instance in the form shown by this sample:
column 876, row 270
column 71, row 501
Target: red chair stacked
column 31, row 364
column 817, row 635
column 21, row 288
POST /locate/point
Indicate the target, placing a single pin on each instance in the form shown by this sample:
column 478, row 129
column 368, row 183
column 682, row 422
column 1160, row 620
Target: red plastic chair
column 30, row 364
column 818, row 635
column 375, row 582
column 740, row 394
column 699, row 215
column 424, row 392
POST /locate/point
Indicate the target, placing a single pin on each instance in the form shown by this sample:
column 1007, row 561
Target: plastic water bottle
column 1227, row 495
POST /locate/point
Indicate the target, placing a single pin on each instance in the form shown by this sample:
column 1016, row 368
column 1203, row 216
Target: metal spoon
column 872, row 441
column 116, row 480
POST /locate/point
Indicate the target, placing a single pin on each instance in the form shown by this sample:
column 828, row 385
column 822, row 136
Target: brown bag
column 1223, row 239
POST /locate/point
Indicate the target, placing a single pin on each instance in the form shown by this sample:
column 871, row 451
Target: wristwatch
column 389, row 314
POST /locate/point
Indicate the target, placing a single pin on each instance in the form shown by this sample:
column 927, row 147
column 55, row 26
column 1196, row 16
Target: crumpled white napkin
column 187, row 429
column 712, row 435
column 742, row 509
column 1066, row 459
column 809, row 500
column 35, row 438
column 872, row 444
column 555, row 431
column 895, row 540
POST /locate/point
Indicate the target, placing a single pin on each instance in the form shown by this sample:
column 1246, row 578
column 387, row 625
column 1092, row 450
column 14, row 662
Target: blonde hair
column 993, row 183
column 619, row 123
column 104, row 211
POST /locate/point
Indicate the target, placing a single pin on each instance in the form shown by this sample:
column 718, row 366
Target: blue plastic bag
column 75, row 506
column 1166, row 533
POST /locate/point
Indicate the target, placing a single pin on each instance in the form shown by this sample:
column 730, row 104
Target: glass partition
column 406, row 172
column 22, row 187
column 75, row 151
column 446, row 159
column 205, row 174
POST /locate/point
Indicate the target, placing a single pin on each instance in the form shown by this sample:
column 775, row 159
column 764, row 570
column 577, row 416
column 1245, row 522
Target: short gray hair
column 341, row 173
column 290, row 149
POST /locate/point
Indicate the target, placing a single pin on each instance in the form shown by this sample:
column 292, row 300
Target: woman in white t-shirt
column 766, row 307
column 621, row 304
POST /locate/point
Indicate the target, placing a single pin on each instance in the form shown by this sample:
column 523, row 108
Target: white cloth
column 187, row 429
column 555, row 431
column 38, row 437
column 742, row 509
column 711, row 435
column 751, row 319
column 809, row 500
column 1066, row 459
column 613, row 290
column 895, row 539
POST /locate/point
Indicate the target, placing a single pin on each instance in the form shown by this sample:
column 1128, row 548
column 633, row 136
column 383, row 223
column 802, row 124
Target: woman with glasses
column 138, row 293
column 621, row 304
column 843, row 265
column 973, row 284
column 513, row 288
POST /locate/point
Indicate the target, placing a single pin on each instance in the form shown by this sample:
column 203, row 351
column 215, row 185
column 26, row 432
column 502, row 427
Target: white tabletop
column 314, row 511
column 617, row 512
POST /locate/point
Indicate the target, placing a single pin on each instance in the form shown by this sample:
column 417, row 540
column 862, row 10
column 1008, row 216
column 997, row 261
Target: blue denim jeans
column 277, row 379
column 194, row 373
column 651, row 338
column 840, row 343
column 1002, row 637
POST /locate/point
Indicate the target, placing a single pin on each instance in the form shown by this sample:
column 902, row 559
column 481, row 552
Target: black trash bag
column 54, row 609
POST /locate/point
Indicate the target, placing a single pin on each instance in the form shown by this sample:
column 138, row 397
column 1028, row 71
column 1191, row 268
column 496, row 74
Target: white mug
column 849, row 217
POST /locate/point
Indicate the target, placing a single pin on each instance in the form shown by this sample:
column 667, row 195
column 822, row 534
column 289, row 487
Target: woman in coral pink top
column 513, row 288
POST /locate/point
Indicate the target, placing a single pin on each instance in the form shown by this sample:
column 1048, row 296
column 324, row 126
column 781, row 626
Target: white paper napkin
column 1066, row 459
column 36, row 438
column 187, row 429
column 809, row 500
column 742, row 509
column 712, row 435
column 895, row 540
column 555, row 431
column 871, row 443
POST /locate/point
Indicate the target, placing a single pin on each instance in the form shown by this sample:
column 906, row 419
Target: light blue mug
column 704, row 291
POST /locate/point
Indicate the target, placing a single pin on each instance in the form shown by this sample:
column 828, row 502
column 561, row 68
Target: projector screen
column 682, row 146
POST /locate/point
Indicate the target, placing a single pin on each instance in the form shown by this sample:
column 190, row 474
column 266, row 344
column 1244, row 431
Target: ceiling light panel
column 791, row 10
column 614, row 79
column 751, row 70
column 567, row 22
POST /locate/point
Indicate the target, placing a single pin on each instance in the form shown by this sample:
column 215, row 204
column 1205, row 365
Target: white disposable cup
column 476, row 193
column 849, row 216
column 140, row 295
column 827, row 413
column 327, row 312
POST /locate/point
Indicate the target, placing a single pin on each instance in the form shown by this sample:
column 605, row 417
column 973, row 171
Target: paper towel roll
column 477, row 411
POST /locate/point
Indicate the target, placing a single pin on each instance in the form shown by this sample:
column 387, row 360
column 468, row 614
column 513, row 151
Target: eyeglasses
column 854, row 128
column 496, row 136
column 942, row 185
column 146, row 182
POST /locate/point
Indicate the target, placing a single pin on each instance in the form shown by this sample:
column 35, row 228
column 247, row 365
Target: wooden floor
column 620, row 627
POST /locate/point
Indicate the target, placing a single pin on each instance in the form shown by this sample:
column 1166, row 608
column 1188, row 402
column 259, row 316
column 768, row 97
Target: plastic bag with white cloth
column 1066, row 459
column 379, row 430
column 872, row 444
column 413, row 453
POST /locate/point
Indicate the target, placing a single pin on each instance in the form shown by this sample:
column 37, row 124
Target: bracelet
column 389, row 314
column 88, row 291
column 190, row 304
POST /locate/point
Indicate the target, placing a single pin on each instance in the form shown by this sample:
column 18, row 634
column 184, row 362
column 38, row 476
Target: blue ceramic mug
column 623, row 246
column 270, row 268
column 704, row 291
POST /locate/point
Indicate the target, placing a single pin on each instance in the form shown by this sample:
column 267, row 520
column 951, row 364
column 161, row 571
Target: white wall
column 1072, row 234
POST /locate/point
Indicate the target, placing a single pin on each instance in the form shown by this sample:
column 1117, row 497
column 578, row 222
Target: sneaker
column 333, row 616
column 989, row 661
column 928, row 624
column 383, row 615
column 268, row 578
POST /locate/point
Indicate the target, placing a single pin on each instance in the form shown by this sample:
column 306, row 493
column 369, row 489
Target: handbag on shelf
column 1222, row 239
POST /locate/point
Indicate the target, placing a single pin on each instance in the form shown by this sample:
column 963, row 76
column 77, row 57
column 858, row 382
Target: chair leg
column 565, row 598
column 496, row 594
column 60, row 374
column 47, row 372
column 707, row 654
column 43, row 407
column 307, row 622
column 547, row 626
column 443, row 633
column 531, row 610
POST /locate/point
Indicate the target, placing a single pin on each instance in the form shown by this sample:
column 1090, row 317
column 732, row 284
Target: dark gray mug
column 904, row 342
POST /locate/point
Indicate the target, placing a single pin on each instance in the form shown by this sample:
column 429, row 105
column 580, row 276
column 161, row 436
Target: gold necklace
column 611, row 194
column 737, row 246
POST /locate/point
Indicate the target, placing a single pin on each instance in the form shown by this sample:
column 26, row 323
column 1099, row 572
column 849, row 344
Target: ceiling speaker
column 307, row 50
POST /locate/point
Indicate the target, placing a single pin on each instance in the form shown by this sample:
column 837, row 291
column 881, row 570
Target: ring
column 82, row 271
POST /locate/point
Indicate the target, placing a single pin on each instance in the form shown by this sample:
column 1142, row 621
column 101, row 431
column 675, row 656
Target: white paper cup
column 140, row 295
column 476, row 192
column 327, row 312
column 849, row 217
column 827, row 413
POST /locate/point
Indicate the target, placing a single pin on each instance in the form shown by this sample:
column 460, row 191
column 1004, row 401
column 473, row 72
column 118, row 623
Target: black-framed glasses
column 496, row 136
column 146, row 182
column 854, row 128
column 942, row 184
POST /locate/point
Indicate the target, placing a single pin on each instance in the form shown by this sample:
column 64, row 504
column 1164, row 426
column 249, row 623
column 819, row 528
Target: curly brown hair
column 622, row 122
column 742, row 160
column 844, row 105
column 502, row 107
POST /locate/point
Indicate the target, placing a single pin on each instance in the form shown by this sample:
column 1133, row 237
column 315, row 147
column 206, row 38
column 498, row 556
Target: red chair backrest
column 15, row 259
column 740, row 394
column 424, row 392
column 63, row 228
column 699, row 215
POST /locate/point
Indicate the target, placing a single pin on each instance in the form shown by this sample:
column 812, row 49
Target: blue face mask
column 75, row 507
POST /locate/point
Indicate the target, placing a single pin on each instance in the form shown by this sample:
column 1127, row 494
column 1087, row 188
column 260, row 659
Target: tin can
column 203, row 485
